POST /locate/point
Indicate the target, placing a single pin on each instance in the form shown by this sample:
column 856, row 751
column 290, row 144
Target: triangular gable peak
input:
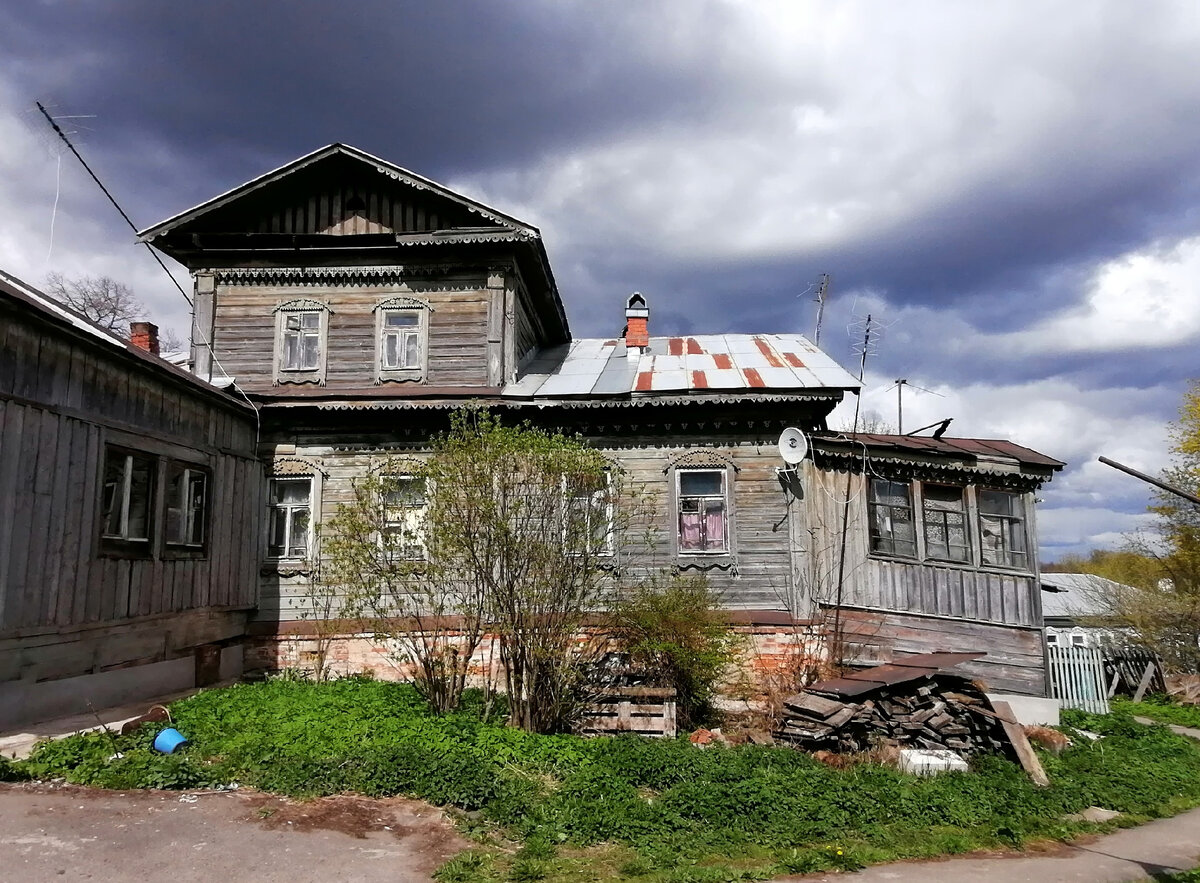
column 338, row 191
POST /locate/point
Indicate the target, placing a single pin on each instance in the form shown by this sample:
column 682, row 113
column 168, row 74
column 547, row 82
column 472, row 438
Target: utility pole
column 900, row 404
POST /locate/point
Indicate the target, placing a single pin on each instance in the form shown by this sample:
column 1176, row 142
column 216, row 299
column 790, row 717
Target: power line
column 63, row 135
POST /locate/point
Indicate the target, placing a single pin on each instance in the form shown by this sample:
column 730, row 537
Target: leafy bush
column 666, row 806
column 674, row 632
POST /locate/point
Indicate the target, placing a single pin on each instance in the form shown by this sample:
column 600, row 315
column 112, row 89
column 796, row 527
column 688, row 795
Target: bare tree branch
column 105, row 301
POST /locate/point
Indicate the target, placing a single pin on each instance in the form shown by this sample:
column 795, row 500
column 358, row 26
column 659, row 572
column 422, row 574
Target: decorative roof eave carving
column 562, row 404
column 699, row 458
column 906, row 469
column 392, row 274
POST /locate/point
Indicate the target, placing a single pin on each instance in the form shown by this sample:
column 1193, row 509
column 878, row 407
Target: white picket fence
column 1077, row 678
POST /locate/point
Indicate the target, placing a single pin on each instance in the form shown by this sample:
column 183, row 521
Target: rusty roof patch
column 699, row 381
column 753, row 377
column 793, row 360
column 768, row 353
column 644, row 379
column 723, row 360
column 675, row 346
column 693, row 347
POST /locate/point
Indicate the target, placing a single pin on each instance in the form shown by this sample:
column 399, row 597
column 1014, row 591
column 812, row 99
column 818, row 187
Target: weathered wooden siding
column 63, row 398
column 1014, row 661
column 756, row 576
column 244, row 332
column 952, row 590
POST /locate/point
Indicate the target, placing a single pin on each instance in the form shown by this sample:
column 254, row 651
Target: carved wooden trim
column 285, row 467
column 300, row 304
column 700, row 458
column 403, row 302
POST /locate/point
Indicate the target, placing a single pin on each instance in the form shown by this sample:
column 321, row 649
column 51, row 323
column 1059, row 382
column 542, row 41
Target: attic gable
column 340, row 191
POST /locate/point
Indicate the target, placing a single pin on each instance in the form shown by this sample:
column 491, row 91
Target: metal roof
column 1070, row 595
column 902, row 670
column 704, row 363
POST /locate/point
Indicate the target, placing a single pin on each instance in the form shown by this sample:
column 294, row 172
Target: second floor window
column 400, row 346
column 703, row 525
column 301, row 342
column 290, row 517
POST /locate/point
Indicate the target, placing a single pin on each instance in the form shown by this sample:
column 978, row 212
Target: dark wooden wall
column 63, row 398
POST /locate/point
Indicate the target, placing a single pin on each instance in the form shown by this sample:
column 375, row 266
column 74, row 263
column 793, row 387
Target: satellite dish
column 793, row 446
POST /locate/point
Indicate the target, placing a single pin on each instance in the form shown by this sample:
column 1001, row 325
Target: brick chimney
column 637, row 317
column 144, row 335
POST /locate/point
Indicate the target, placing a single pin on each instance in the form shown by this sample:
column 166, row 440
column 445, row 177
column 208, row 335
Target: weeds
column 655, row 810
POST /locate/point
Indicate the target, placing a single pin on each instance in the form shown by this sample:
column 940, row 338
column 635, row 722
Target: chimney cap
column 636, row 307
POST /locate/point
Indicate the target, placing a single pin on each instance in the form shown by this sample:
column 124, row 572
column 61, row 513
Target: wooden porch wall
column 1014, row 661
column 244, row 332
column 61, row 401
column 940, row 589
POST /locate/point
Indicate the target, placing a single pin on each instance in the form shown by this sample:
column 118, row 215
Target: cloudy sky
column 1009, row 190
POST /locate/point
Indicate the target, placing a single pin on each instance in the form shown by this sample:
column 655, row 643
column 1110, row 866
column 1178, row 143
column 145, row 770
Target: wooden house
column 358, row 304
column 130, row 496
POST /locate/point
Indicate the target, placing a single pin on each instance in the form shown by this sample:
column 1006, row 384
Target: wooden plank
column 1020, row 742
column 12, row 467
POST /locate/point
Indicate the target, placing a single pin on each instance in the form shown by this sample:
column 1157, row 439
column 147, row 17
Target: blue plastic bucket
column 168, row 740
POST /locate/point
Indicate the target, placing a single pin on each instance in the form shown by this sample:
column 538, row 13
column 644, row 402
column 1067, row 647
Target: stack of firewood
column 939, row 712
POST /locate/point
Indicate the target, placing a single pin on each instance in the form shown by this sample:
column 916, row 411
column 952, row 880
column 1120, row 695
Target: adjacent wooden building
column 130, row 503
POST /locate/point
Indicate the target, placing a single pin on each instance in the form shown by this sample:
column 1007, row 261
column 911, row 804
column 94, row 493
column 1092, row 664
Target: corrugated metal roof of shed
column 726, row 362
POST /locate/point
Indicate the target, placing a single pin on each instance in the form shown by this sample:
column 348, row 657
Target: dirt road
column 56, row 833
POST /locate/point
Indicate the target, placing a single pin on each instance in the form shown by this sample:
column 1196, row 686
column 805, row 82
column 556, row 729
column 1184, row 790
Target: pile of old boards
column 911, row 703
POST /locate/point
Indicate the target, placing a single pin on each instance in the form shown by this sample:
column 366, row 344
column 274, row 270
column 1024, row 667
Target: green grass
column 564, row 808
column 1163, row 710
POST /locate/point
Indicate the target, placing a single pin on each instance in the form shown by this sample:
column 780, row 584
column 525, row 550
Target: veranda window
column 405, row 504
column 945, row 523
column 1002, row 529
column 703, row 509
column 589, row 513
column 892, row 527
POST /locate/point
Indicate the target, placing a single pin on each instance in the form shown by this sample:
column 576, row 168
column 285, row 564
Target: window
column 290, row 516
column 1078, row 640
column 186, row 501
column 301, row 328
column 401, row 334
column 1052, row 639
column 128, row 491
column 400, row 347
column 1002, row 529
column 405, row 503
column 703, row 525
column 301, row 342
column 589, row 512
column 891, row 518
column 945, row 523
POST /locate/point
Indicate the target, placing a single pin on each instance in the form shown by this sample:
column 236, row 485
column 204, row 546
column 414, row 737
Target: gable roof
column 487, row 213
column 50, row 312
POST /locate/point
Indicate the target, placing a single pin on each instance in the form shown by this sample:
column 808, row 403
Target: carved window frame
column 404, row 305
column 294, row 469
column 301, row 307
column 703, row 461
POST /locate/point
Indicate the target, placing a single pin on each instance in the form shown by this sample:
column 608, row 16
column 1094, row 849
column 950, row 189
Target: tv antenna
column 822, row 296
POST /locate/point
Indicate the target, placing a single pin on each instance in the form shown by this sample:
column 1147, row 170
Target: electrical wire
column 63, row 135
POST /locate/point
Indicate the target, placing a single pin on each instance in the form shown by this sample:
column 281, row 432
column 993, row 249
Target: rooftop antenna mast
column 63, row 135
column 822, row 296
column 836, row 646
